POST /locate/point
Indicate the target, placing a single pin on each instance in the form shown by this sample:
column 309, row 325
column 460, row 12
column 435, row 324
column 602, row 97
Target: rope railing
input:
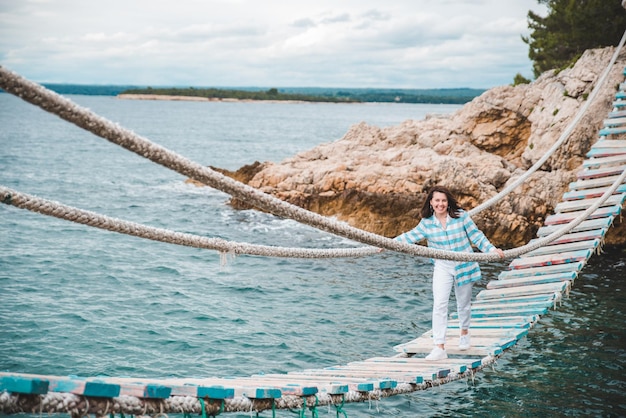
column 84, row 118
column 84, row 217
column 564, row 135
column 47, row 207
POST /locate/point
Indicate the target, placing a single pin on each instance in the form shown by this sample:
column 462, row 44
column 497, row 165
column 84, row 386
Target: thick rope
column 86, row 119
column 68, row 213
column 566, row 133
column 58, row 210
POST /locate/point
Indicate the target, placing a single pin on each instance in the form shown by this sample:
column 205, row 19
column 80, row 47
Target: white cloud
column 404, row 43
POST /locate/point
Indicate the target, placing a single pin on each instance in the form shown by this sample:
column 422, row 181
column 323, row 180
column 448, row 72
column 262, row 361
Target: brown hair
column 453, row 206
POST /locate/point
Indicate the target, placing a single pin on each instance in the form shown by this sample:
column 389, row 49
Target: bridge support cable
column 98, row 125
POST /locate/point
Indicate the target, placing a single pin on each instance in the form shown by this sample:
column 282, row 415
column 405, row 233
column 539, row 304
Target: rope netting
column 88, row 120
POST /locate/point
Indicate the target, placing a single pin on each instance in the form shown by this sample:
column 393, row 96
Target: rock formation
column 377, row 178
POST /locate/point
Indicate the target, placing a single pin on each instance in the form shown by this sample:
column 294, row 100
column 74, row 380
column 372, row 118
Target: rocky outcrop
column 377, row 178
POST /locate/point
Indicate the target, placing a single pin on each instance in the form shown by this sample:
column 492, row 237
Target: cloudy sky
column 268, row 43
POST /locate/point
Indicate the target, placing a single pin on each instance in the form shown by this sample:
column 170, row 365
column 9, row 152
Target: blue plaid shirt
column 459, row 235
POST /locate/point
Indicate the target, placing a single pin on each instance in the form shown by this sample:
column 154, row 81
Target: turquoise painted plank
column 591, row 193
column 617, row 114
column 215, row 392
column 596, row 162
column 264, row 393
column 546, row 299
column 80, row 386
column 552, row 259
column 20, row 384
column 583, row 226
column 594, row 183
column 601, row 172
column 495, row 314
column 598, row 152
column 564, row 218
column 620, row 95
column 619, row 104
column 617, row 130
column 581, row 236
column 568, row 246
column 366, row 387
column 614, row 122
column 523, row 281
column 143, row 390
column 523, row 290
column 297, row 389
column 539, row 270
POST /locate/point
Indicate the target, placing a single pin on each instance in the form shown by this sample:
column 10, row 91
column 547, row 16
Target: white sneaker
column 464, row 342
column 438, row 353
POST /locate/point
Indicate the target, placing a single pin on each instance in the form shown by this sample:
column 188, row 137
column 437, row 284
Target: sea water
column 75, row 300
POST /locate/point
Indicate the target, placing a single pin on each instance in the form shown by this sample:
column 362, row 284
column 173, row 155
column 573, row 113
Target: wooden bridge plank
column 545, row 288
column 451, row 363
column 594, row 183
column 591, row 173
column 522, row 271
column 597, row 162
column 181, row 386
column 550, row 259
column 574, row 205
column 369, row 381
column 565, row 247
column 590, row 225
column 591, row 193
column 22, row 383
column 523, row 281
column 612, row 130
column 615, row 121
column 617, row 114
column 323, row 384
column 564, row 218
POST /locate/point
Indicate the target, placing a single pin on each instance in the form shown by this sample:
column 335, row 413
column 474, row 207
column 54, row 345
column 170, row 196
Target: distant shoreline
column 167, row 97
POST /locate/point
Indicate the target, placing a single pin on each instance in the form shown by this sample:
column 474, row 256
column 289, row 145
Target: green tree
column 570, row 28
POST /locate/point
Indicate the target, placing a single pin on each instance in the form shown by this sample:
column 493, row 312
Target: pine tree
column 570, row 28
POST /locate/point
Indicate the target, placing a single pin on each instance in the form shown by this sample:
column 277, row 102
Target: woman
column 446, row 226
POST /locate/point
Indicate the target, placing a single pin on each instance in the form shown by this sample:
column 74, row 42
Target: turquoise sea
column 79, row 301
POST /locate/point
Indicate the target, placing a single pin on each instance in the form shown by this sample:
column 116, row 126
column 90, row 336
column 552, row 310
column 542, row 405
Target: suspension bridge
column 539, row 275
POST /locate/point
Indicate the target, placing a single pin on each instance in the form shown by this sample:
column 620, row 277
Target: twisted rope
column 67, row 110
column 564, row 135
column 84, row 217
column 88, row 120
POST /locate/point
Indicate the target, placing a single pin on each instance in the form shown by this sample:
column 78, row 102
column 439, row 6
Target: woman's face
column 439, row 202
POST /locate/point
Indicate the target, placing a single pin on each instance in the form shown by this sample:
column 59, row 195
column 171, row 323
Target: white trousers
column 443, row 281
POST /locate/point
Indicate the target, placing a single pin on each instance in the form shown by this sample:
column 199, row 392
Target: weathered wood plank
column 591, row 193
column 600, row 172
column 559, row 287
column 601, row 161
column 524, row 281
column 539, row 270
column 592, row 184
column 564, row 218
column 591, row 225
column 550, row 259
column 615, row 121
column 617, row 114
column 22, row 383
column 574, row 205
column 615, row 130
column 568, row 246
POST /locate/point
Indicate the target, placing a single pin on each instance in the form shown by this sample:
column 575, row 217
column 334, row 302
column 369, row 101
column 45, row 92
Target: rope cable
column 98, row 125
